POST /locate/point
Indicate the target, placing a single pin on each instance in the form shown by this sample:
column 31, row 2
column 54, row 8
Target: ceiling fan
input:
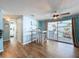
column 56, row 15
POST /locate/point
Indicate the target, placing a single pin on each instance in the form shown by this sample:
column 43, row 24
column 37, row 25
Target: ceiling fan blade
column 56, row 15
column 65, row 13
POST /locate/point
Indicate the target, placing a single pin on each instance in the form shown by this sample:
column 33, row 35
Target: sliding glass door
column 52, row 30
column 60, row 31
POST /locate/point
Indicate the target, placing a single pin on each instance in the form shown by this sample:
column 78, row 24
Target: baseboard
column 26, row 43
column 60, row 41
column 1, row 50
column 6, row 40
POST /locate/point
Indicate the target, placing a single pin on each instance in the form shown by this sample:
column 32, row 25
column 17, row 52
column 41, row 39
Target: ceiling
column 42, row 9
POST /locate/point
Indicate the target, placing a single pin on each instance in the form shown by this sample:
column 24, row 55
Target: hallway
column 51, row 49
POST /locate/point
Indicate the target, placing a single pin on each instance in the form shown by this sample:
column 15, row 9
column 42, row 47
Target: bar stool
column 44, row 37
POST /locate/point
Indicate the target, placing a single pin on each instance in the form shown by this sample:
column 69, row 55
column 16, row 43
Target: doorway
column 12, row 25
column 60, row 31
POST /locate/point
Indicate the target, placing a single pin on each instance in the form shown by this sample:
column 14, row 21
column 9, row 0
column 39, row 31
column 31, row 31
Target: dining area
column 33, row 31
column 39, row 37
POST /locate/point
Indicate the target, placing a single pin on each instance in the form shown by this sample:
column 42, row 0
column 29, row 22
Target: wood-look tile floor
column 51, row 49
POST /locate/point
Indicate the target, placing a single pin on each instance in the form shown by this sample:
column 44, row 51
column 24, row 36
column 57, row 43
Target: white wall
column 6, row 30
column 29, row 24
column 19, row 29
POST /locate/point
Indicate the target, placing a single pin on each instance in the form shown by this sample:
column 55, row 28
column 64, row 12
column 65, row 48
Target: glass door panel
column 52, row 30
column 65, row 31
